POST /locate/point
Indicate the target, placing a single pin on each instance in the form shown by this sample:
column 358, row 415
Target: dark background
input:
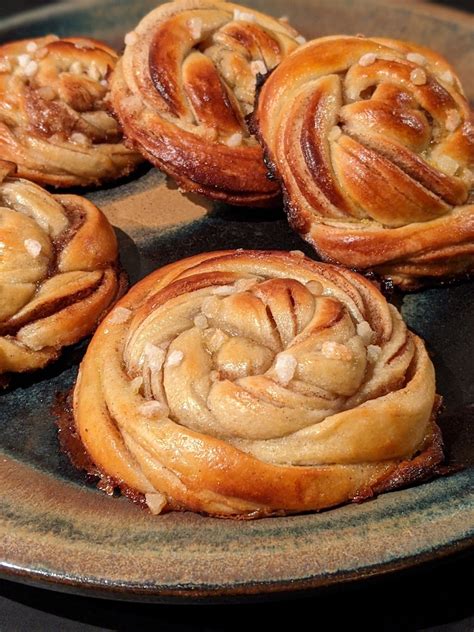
column 14, row 6
column 436, row 597
column 7, row 7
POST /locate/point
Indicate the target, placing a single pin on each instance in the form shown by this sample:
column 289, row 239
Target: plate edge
column 257, row 591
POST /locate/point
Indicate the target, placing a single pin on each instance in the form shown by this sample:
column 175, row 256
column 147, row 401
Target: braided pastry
column 248, row 383
column 374, row 145
column 58, row 272
column 184, row 87
column 53, row 121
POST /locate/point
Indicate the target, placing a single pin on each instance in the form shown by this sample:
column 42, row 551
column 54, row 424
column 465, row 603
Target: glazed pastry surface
column 58, row 272
column 54, row 123
column 373, row 142
column 186, row 84
column 249, row 383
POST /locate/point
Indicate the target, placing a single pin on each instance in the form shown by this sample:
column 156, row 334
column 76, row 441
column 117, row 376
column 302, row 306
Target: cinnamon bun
column 58, row 272
column 251, row 383
column 186, row 84
column 373, row 141
column 53, row 119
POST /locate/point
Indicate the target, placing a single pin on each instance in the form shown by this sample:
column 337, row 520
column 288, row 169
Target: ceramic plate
column 57, row 530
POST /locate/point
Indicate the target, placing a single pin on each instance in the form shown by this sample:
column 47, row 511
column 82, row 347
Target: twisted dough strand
column 184, row 87
column 53, row 119
column 248, row 383
column 58, row 272
column 374, row 145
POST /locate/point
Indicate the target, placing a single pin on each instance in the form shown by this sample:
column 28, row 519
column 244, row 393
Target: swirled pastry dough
column 53, row 121
column 246, row 383
column 58, row 272
column 374, row 145
column 185, row 85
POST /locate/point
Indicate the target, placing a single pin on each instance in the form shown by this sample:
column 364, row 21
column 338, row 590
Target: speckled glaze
column 57, row 530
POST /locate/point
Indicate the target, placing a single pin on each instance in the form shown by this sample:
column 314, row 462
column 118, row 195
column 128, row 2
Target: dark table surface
column 438, row 597
column 434, row 597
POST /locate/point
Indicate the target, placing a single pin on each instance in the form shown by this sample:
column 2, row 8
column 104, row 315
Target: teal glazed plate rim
column 59, row 532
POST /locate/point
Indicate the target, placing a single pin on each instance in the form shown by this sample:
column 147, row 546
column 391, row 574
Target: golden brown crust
column 184, row 87
column 53, row 119
column 248, row 383
column 373, row 142
column 58, row 272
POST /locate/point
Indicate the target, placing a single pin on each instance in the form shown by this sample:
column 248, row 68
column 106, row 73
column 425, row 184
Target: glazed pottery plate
column 57, row 530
